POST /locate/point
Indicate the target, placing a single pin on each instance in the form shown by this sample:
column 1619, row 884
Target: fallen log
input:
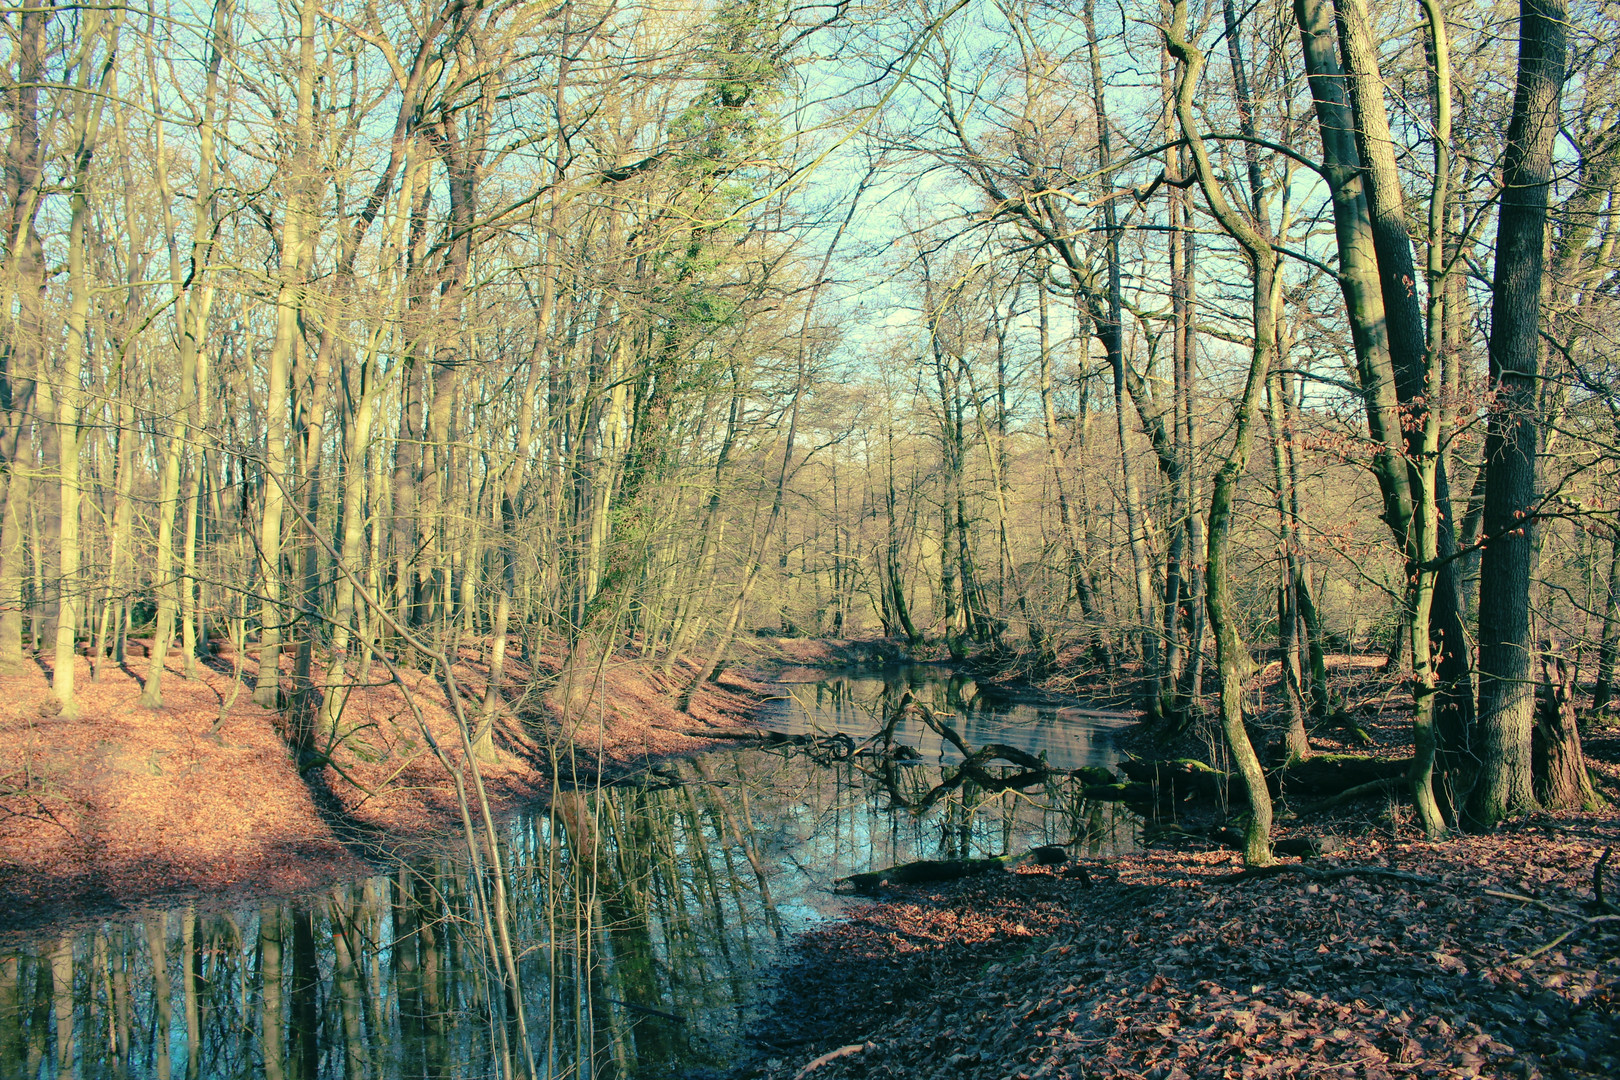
column 1298, row 847
column 926, row 871
column 1093, row 774
column 1136, row 794
column 1324, row 776
column 1177, row 779
column 1331, row 774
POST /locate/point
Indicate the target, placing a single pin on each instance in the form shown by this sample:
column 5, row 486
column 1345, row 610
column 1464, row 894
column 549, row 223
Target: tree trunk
column 1107, row 318
column 86, row 134
column 22, row 337
column 1506, row 689
column 1558, row 766
column 1296, row 742
column 1358, row 262
column 345, row 609
column 894, row 575
column 1231, row 655
column 1080, row 585
column 1609, row 648
column 1413, row 348
column 297, row 240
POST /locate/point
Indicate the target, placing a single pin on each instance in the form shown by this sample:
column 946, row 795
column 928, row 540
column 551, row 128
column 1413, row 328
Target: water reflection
column 859, row 703
column 640, row 918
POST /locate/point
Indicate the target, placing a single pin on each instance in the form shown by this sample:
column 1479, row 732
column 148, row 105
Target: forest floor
column 124, row 806
column 1485, row 955
column 1481, row 956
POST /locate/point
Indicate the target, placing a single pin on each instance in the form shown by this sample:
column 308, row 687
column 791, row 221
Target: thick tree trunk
column 1358, row 262
column 1414, row 349
column 1506, row 688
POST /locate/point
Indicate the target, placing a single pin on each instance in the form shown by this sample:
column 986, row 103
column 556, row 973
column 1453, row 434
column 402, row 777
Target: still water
column 643, row 918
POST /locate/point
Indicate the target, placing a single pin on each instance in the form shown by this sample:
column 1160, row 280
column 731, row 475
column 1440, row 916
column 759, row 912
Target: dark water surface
column 643, row 918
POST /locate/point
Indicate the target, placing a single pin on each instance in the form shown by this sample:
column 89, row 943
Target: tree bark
column 1609, row 647
column 1358, row 261
column 69, row 406
column 1107, row 318
column 1413, row 348
column 297, row 240
column 1231, row 655
column 1080, row 585
column 22, row 282
column 1506, row 689
column 1558, row 765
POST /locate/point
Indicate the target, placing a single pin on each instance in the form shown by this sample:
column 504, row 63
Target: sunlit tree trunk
column 894, row 575
column 297, row 240
column 1107, row 317
column 87, row 110
column 192, row 309
column 1231, row 656
column 1196, row 553
column 110, row 633
column 1558, row 771
column 22, row 289
column 1412, row 346
column 1081, row 587
column 1296, row 742
column 357, row 440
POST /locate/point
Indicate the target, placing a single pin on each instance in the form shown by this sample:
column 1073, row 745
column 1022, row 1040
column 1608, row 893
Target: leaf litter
column 1171, row 966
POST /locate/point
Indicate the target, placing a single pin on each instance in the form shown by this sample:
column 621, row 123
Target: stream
column 645, row 917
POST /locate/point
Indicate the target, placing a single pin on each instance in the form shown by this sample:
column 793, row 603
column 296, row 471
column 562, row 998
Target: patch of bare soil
column 1482, row 956
column 125, row 806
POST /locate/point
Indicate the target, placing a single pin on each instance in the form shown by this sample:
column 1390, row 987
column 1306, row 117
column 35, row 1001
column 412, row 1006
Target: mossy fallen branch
column 931, row 870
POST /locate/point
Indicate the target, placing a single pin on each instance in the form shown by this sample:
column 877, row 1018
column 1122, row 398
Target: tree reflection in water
column 642, row 915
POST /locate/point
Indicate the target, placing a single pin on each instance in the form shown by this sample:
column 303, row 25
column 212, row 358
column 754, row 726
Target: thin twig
column 1567, row 934
column 1542, row 904
column 1597, row 879
column 831, row 1055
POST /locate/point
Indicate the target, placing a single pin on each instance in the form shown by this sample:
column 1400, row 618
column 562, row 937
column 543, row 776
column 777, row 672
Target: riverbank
column 1490, row 955
column 125, row 807
column 1482, row 956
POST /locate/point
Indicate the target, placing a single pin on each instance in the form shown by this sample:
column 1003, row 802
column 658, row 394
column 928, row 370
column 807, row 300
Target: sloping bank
column 124, row 806
column 1484, row 956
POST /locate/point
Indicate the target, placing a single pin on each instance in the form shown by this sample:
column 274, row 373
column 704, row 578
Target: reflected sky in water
column 644, row 919
column 858, row 702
